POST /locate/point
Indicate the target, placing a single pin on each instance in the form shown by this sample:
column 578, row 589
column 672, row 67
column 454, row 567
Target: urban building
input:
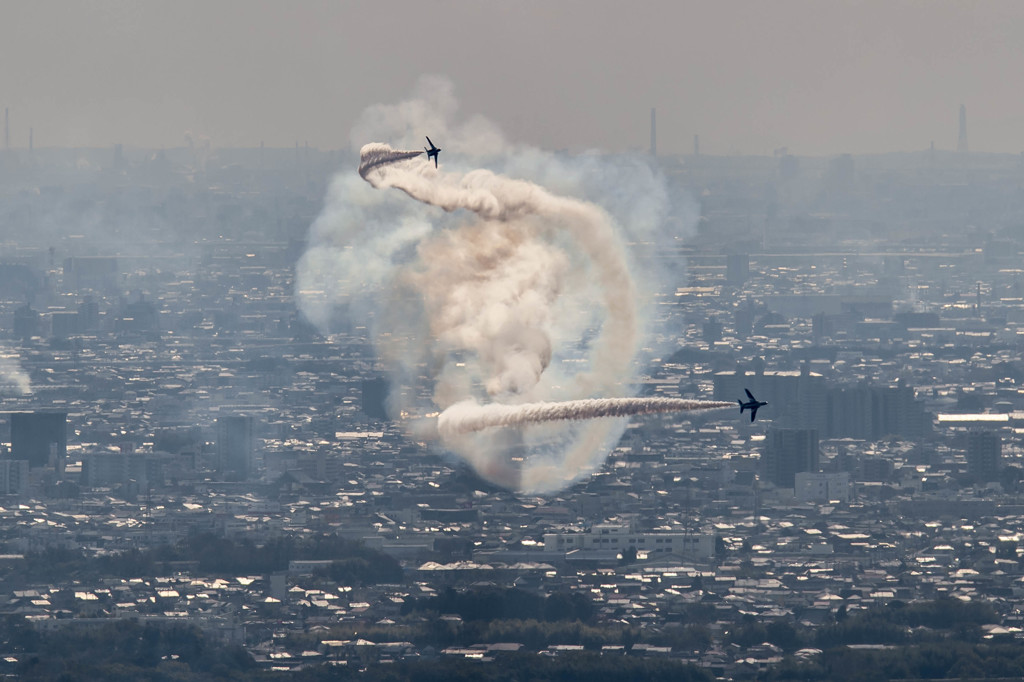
column 788, row 452
column 984, row 454
column 235, row 446
column 613, row 540
column 40, row 438
column 816, row 486
column 14, row 476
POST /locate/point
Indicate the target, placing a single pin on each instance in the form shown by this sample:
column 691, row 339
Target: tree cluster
column 353, row 563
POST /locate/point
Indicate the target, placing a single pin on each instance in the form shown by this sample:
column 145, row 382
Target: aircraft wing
column 429, row 142
column 753, row 413
column 747, row 391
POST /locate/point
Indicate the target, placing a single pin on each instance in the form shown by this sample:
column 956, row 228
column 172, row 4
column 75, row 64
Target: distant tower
column 961, row 144
column 984, row 454
column 696, row 145
column 235, row 446
column 654, row 132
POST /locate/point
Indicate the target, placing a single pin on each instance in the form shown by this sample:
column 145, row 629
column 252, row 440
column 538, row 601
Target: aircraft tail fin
column 740, row 403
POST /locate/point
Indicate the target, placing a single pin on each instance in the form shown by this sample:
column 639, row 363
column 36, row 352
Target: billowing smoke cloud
column 516, row 293
column 492, row 287
column 13, row 379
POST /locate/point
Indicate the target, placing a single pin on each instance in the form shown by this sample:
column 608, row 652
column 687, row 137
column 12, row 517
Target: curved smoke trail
column 468, row 416
column 533, row 220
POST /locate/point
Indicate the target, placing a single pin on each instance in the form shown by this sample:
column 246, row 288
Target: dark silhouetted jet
column 432, row 152
column 751, row 404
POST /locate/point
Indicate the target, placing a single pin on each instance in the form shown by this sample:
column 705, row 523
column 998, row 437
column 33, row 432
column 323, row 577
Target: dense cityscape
column 186, row 458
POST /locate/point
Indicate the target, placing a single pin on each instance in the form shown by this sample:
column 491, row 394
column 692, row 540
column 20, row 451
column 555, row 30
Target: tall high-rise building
column 26, row 322
column 797, row 399
column 961, row 143
column 235, row 446
column 13, row 476
column 737, row 268
column 40, row 438
column 654, row 132
column 984, row 455
column 88, row 315
column 375, row 397
column 788, row 452
column 876, row 412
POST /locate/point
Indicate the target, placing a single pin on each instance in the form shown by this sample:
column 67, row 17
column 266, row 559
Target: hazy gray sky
column 818, row 77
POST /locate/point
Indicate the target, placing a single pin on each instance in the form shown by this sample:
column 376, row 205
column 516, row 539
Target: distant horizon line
column 637, row 152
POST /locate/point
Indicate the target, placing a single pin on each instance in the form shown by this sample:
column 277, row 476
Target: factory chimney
column 654, row 132
column 961, row 144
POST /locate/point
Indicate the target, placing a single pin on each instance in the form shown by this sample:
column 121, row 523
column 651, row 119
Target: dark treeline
column 896, row 623
column 492, row 603
column 928, row 640
column 575, row 667
column 121, row 650
column 125, row 651
column 935, row 661
column 353, row 562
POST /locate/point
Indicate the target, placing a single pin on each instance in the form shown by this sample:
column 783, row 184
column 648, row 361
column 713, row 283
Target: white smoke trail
column 373, row 156
column 468, row 416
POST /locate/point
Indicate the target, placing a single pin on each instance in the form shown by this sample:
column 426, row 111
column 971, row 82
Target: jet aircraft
column 751, row 404
column 432, row 152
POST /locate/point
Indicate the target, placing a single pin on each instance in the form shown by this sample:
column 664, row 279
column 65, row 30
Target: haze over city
column 817, row 78
column 365, row 341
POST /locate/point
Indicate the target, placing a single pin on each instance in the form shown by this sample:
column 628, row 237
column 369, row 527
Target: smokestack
column 961, row 144
column 696, row 145
column 654, row 132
